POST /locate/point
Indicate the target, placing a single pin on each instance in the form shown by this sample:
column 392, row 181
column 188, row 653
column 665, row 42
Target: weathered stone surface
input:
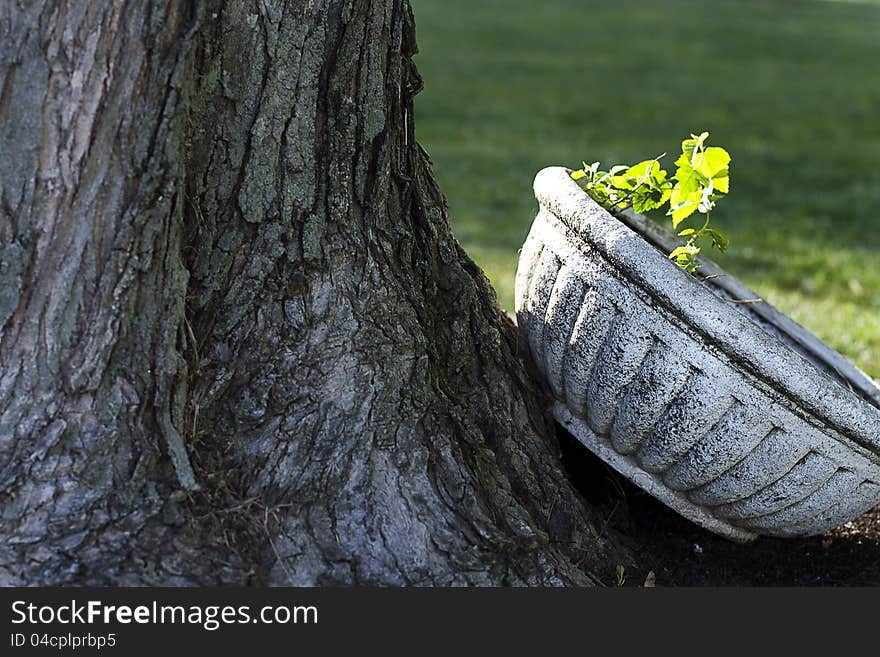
column 732, row 414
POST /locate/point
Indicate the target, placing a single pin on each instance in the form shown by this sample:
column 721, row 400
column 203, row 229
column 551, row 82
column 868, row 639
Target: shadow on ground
column 681, row 553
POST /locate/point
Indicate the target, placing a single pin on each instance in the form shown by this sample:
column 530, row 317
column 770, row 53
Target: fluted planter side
column 735, row 417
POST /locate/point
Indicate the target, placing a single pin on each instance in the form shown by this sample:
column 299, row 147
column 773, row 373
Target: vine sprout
column 702, row 176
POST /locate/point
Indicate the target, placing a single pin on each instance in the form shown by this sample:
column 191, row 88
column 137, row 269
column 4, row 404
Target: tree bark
column 239, row 341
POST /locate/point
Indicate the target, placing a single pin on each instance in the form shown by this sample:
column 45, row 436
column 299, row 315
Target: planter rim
column 743, row 340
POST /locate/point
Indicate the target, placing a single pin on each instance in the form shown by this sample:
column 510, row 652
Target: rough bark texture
column 93, row 287
column 239, row 342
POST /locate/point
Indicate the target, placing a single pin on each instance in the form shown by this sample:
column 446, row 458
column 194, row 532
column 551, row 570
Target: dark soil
column 680, row 553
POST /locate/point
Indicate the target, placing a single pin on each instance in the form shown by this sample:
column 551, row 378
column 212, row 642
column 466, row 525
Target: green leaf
column 644, row 169
column 647, row 172
column 689, row 179
column 686, row 257
column 693, row 145
column 685, row 250
column 713, row 164
column 648, row 198
column 713, row 161
column 651, row 190
column 682, row 204
column 687, row 231
column 720, row 240
column 701, row 171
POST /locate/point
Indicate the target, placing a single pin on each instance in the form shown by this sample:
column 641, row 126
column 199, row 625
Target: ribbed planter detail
column 730, row 413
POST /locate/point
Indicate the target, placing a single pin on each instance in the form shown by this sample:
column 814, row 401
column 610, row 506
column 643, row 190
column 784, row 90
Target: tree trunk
column 239, row 342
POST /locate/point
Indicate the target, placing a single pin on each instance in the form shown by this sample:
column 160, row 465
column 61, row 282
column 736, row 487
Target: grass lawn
column 790, row 87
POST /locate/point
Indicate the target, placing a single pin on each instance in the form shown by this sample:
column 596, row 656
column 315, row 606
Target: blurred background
column 790, row 87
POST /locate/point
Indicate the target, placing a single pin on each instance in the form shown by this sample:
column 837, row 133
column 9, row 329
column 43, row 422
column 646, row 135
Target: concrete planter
column 730, row 413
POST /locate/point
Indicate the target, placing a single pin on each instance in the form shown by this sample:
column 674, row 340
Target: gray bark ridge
column 255, row 275
column 91, row 378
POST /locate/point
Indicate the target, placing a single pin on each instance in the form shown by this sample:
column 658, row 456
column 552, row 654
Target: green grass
column 790, row 88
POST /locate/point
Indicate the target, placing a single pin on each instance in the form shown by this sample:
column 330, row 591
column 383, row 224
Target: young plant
column 702, row 176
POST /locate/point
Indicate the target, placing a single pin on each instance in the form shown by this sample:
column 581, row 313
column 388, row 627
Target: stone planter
column 729, row 412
